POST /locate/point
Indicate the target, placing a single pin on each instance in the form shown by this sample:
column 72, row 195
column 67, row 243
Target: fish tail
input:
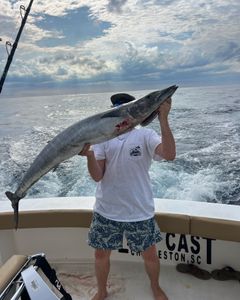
column 15, row 204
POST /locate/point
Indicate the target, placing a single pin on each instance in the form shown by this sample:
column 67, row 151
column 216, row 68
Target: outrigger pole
column 14, row 46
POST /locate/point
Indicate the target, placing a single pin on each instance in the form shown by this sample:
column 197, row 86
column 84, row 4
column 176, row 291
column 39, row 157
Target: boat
column 200, row 234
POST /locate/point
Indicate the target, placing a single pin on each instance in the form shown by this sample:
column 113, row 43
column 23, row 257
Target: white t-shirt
column 125, row 192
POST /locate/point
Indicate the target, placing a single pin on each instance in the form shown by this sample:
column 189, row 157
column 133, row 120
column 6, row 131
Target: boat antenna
column 13, row 46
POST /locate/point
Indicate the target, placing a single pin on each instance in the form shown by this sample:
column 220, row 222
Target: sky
column 113, row 45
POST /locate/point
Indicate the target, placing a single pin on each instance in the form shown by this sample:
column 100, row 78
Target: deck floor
column 128, row 281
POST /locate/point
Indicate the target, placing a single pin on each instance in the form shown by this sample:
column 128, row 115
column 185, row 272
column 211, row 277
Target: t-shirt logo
column 136, row 151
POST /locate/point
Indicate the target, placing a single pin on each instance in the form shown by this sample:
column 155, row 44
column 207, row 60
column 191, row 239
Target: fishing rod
column 14, row 46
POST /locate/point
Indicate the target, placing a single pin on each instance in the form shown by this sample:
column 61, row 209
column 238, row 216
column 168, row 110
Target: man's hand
column 164, row 109
column 86, row 151
column 96, row 168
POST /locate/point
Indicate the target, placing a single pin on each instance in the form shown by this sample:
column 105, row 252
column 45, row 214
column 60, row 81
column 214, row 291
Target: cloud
column 116, row 5
column 124, row 40
column 64, row 66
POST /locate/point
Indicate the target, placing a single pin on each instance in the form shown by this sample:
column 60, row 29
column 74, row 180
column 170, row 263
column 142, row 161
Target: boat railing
column 216, row 228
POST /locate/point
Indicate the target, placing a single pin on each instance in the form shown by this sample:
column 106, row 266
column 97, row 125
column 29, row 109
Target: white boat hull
column 203, row 234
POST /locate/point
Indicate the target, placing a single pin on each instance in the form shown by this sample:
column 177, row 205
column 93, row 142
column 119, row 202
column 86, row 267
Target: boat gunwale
column 79, row 214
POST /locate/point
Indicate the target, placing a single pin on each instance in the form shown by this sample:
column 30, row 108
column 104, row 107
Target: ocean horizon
column 204, row 121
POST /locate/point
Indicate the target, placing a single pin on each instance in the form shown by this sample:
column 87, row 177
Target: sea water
column 204, row 121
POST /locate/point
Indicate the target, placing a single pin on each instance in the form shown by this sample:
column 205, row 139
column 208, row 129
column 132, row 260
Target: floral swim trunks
column 108, row 234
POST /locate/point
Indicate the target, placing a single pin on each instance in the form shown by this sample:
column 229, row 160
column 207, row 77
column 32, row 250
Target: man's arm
column 167, row 148
column 96, row 168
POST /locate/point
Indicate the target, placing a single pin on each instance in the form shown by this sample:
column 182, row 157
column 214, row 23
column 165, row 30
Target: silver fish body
column 92, row 130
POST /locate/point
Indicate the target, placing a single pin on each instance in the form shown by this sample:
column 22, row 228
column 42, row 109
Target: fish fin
column 149, row 119
column 55, row 168
column 15, row 204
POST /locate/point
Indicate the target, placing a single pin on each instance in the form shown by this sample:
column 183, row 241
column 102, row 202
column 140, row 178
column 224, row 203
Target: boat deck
column 128, row 281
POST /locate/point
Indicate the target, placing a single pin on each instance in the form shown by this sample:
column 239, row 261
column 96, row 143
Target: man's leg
column 152, row 266
column 102, row 268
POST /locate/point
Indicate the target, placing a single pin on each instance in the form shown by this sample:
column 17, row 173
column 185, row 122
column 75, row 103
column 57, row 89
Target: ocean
column 204, row 121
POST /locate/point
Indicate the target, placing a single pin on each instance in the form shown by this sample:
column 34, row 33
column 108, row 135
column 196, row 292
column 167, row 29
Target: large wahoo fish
column 92, row 130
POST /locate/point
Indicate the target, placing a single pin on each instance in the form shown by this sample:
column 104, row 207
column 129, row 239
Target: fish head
column 126, row 116
column 142, row 108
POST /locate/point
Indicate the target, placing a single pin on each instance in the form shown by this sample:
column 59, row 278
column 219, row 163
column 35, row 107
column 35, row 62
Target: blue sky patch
column 74, row 27
column 184, row 35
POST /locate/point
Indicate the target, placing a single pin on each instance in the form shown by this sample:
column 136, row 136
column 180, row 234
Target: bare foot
column 100, row 296
column 159, row 294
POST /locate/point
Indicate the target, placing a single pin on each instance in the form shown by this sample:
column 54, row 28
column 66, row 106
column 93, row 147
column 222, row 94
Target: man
column 124, row 201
